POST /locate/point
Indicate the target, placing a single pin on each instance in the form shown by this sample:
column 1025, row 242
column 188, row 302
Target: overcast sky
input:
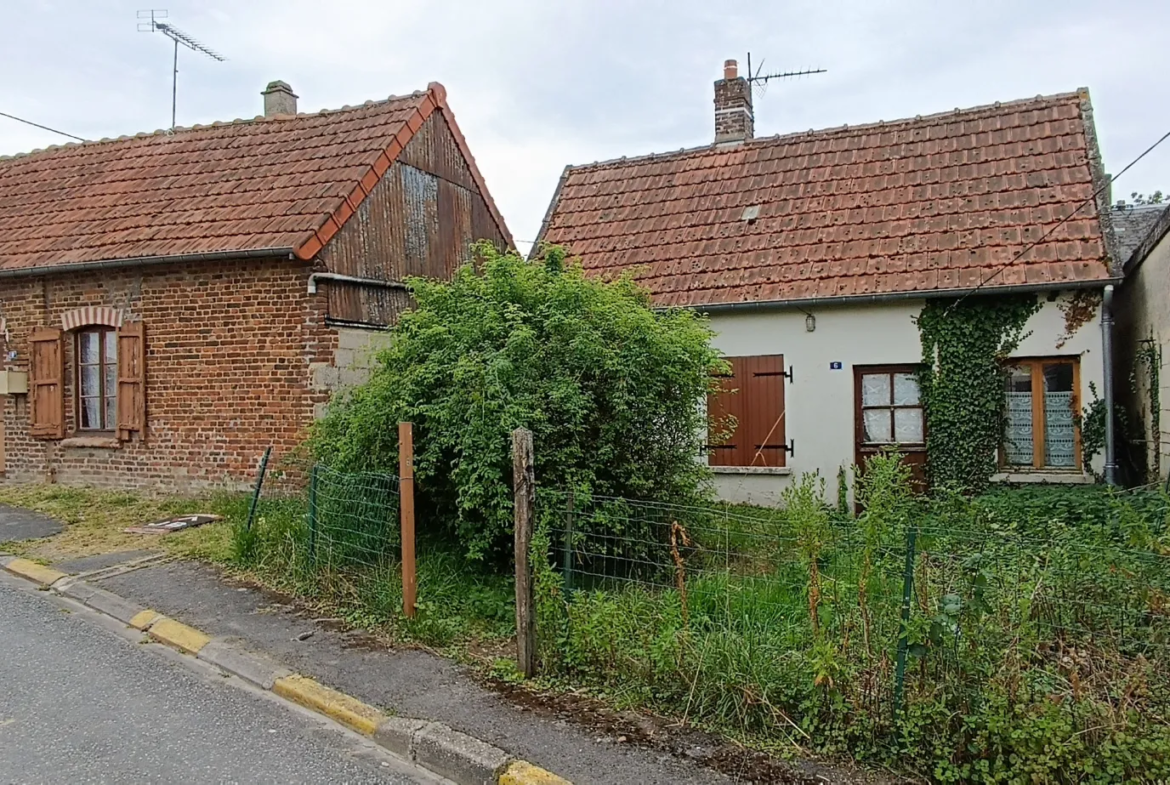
column 537, row 85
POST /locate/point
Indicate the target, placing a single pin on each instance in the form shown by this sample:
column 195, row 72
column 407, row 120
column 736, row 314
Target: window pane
column 111, row 413
column 908, row 426
column 111, row 347
column 1018, row 431
column 111, row 373
column 89, row 377
column 875, row 389
column 91, row 413
column 905, row 389
column 1059, row 422
column 877, row 426
column 87, row 348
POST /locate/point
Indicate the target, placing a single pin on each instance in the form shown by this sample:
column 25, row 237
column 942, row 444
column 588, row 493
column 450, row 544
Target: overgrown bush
column 609, row 387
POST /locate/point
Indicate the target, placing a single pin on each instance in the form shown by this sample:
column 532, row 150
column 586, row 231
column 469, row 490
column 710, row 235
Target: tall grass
column 1039, row 633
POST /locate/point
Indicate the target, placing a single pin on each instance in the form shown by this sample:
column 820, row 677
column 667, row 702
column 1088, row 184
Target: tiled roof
column 1131, row 224
column 279, row 183
column 926, row 205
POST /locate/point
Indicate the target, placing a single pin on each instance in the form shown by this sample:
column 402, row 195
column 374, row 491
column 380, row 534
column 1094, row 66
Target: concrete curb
column 333, row 704
column 30, row 570
column 463, row 759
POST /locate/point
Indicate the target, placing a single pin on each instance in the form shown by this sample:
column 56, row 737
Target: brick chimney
column 279, row 99
column 734, row 121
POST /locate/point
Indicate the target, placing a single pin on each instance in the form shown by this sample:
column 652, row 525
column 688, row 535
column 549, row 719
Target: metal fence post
column 567, row 555
column 903, row 641
column 259, row 485
column 313, row 516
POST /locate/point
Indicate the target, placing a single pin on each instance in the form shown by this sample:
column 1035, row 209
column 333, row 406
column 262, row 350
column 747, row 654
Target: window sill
column 776, row 471
column 1053, row 476
column 92, row 442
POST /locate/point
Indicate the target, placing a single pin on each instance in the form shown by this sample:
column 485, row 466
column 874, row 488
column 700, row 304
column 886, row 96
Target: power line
column 42, row 127
column 1062, row 222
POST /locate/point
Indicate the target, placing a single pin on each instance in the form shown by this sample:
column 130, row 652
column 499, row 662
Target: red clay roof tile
column 287, row 182
column 930, row 204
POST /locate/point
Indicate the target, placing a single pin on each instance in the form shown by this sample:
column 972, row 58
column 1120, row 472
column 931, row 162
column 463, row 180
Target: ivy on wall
column 962, row 381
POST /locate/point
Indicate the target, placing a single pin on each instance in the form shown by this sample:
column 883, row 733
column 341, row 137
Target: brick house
column 173, row 303
column 814, row 252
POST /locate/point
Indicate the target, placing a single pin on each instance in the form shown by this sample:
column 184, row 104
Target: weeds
column 1040, row 630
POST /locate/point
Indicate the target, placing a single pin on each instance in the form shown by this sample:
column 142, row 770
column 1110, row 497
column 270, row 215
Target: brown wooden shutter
column 719, row 406
column 754, row 395
column 46, row 389
column 132, row 380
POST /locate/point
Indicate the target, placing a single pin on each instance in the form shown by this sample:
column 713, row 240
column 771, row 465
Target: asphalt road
column 81, row 702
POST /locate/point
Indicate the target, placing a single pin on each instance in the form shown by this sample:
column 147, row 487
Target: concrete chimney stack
column 279, row 99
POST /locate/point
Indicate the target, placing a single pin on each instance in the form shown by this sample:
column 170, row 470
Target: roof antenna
column 153, row 25
column 760, row 81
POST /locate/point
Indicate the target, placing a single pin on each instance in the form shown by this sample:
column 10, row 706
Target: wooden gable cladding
column 132, row 380
column 366, row 305
column 46, row 383
column 434, row 149
column 420, row 220
column 753, row 393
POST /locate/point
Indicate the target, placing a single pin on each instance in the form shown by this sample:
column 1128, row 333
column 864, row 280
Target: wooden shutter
column 46, row 376
column 754, row 395
column 132, row 380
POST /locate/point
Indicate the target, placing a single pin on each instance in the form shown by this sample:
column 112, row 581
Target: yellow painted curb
column 143, row 619
column 333, row 704
column 524, row 773
column 179, row 635
column 46, row 576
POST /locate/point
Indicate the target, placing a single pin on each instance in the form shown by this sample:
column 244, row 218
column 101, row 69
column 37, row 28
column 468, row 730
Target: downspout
column 1107, row 350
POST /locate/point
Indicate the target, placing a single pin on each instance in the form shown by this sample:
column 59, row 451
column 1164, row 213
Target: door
column 889, row 413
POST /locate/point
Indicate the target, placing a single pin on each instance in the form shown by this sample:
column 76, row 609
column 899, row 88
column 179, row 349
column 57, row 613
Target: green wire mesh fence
column 945, row 604
column 353, row 519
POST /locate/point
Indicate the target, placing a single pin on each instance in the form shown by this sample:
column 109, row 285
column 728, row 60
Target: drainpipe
column 1107, row 349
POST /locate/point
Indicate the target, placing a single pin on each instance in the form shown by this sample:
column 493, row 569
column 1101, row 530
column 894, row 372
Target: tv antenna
column 760, row 81
column 151, row 24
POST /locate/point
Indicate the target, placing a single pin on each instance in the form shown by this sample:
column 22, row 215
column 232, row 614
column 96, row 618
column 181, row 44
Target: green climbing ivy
column 962, row 379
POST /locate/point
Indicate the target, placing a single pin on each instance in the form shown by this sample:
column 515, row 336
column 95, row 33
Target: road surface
column 81, row 701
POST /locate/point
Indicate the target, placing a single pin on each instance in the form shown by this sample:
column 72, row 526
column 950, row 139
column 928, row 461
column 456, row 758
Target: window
column 97, row 379
column 1041, row 430
column 891, row 408
column 108, row 377
column 753, row 393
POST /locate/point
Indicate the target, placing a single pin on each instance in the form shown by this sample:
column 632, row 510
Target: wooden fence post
column 524, row 485
column 406, row 507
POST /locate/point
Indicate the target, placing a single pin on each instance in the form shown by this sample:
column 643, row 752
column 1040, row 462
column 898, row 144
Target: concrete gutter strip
column 463, row 759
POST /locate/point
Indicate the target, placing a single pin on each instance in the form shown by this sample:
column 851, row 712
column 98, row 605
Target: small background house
column 176, row 302
column 814, row 252
column 1143, row 332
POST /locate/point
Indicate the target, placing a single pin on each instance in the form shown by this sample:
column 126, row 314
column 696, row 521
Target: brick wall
column 734, row 117
column 229, row 346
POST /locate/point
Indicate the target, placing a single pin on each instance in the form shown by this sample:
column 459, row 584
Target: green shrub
column 607, row 384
